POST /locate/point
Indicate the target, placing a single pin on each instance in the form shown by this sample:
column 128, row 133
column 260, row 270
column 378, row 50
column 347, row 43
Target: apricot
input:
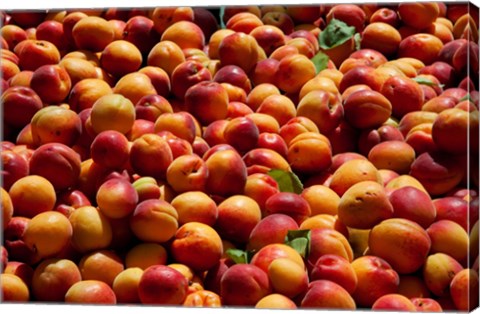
column 267, row 254
column 195, row 206
column 328, row 295
column 161, row 284
column 275, row 301
column 185, row 34
column 90, row 292
column 134, row 86
column 406, row 237
column 144, row 255
column 322, row 199
column 450, row 238
column 197, row 245
column 92, row 33
column 91, row 230
column 52, row 279
column 381, row 37
column 463, row 290
column 32, row 195
column 120, row 57
column 125, row 285
column 418, row 15
column 112, row 105
column 392, row 155
column 394, row 301
column 166, row 55
column 364, row 205
column 337, row 269
column 352, row 172
column 101, row 265
column 366, row 109
column 14, row 289
column 287, row 277
column 293, row 72
column 44, row 227
column 203, row 298
column 438, row 271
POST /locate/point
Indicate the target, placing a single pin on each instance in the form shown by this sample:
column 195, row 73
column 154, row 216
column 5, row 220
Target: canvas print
column 296, row 156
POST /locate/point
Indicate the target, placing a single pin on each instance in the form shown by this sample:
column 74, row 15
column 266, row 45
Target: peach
column 52, row 279
column 121, row 57
column 293, row 72
column 237, row 217
column 207, row 101
column 414, row 118
column 243, row 22
column 57, row 163
column 238, row 49
column 166, row 55
column 438, row 271
column 101, row 265
column 368, row 138
column 17, row 249
column 455, row 124
column 227, row 173
column 367, row 103
column 110, row 149
column 244, row 285
column 328, row 241
column 187, row 173
column 259, row 93
column 438, row 173
column 159, row 78
column 295, row 126
column 422, row 46
column 290, row 204
column 160, row 284
column 195, row 206
column 134, row 86
column 140, row 31
column 426, row 305
column 464, row 288
column 125, row 285
column 382, row 37
column 274, row 142
column 144, row 255
column 396, row 88
column 33, row 54
column 418, row 15
column 361, row 75
column 262, row 160
column 279, row 19
column 22, row 78
column 91, row 229
column 394, row 301
column 90, row 292
column 14, row 289
column 51, row 82
column 328, row 295
column 157, row 212
column 450, row 238
column 407, row 237
column 150, row 107
column 186, row 75
column 336, row 269
column 368, row 290
column 14, row 167
column 86, row 92
column 32, row 195
column 303, row 147
column 322, row 108
column 439, row 103
column 271, row 229
column 92, row 33
column 194, row 240
column 264, row 122
column 20, row 105
column 319, row 82
column 275, row 301
column 116, row 198
column 352, row 172
column 42, row 228
column 112, row 104
column 413, row 204
column 267, row 254
column 279, row 106
column 385, row 15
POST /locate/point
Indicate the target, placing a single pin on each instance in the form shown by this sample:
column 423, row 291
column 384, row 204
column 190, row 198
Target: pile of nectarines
column 270, row 156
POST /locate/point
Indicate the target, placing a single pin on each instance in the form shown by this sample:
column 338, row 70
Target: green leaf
column 466, row 97
column 221, row 14
column 358, row 41
column 336, row 33
column 299, row 240
column 425, row 81
column 238, row 256
column 320, row 60
column 287, row 181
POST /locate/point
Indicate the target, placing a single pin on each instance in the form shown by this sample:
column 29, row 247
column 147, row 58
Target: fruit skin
column 411, row 242
column 108, row 105
column 52, row 279
column 449, row 237
column 90, row 292
column 327, row 294
column 52, row 83
column 375, row 279
column 160, row 284
column 242, row 278
column 464, row 288
column 337, row 269
column 270, row 229
column 367, row 109
column 287, row 277
column 394, row 302
column 13, row 288
column 125, row 285
column 193, row 240
column 116, row 198
column 290, row 204
column 227, row 173
column 438, row 272
column 364, row 205
column 20, row 103
column 32, row 195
